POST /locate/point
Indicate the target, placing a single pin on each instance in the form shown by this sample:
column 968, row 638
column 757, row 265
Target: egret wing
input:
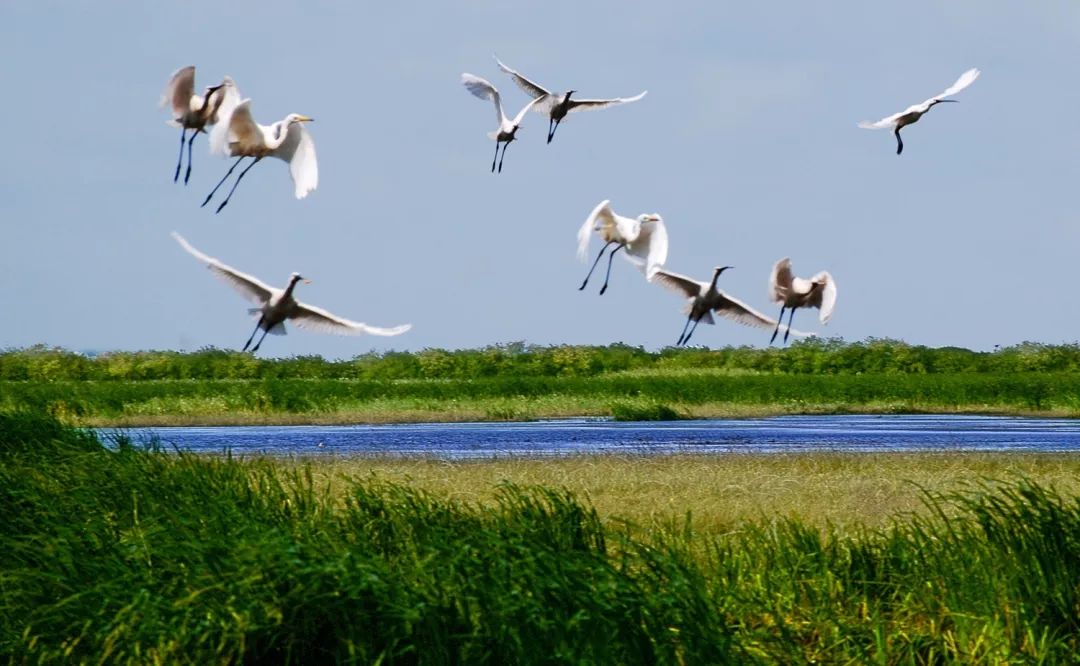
column 600, row 217
column 736, row 310
column 680, row 284
column 298, row 149
column 965, row 80
column 883, row 123
column 780, row 280
column 531, row 88
column 179, row 90
column 219, row 133
column 243, row 130
column 595, row 104
column 317, row 319
column 828, row 294
column 525, row 109
column 249, row 287
column 483, row 89
column 651, row 254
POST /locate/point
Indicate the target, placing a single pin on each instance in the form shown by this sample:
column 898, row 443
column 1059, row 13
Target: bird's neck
column 290, row 287
column 715, row 277
column 280, row 130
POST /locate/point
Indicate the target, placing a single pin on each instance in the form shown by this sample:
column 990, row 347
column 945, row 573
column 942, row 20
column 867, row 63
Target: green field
column 516, row 382
column 125, row 554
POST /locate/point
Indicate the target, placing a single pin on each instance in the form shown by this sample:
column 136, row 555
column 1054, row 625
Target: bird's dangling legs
column 682, row 335
column 899, row 141
column 594, row 265
column 505, row 146
column 220, row 182
column 496, row 158
column 692, row 329
column 608, row 276
column 187, row 174
column 551, row 132
column 778, row 320
column 248, row 343
column 257, row 344
column 790, row 317
column 180, row 159
column 238, row 178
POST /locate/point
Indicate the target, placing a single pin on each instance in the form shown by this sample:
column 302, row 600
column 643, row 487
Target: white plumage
column 796, row 292
column 193, row 111
column 277, row 305
column 508, row 128
column 705, row 298
column 287, row 140
column 644, row 238
column 557, row 105
column 910, row 115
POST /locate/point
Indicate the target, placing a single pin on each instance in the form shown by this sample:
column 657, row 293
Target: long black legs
column 594, row 265
column 899, row 142
column 778, row 320
column 505, row 146
column 238, row 178
column 222, row 181
column 248, row 343
column 552, row 126
column 187, row 174
column 180, row 158
column 496, row 158
column 790, row 317
column 692, row 329
column 682, row 335
column 608, row 276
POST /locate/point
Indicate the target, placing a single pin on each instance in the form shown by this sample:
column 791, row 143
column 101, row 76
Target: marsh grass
column 639, row 396
column 129, row 554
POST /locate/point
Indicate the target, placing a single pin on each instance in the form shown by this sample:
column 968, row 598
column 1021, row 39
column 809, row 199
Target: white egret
column 277, row 305
column 507, row 128
column 557, row 105
column 705, row 298
column 796, row 292
column 910, row 115
column 644, row 238
column 195, row 112
column 286, row 140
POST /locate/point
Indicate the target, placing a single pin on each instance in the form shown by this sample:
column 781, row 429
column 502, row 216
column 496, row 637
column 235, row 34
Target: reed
column 124, row 553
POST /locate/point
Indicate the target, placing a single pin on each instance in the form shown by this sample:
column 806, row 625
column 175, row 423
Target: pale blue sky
column 746, row 144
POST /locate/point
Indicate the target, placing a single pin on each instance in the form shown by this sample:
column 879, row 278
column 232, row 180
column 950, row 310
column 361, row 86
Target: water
column 785, row 434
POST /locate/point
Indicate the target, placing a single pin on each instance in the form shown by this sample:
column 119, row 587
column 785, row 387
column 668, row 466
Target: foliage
column 119, row 553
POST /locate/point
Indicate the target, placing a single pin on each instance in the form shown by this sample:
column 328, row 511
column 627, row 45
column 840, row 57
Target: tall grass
column 128, row 554
column 632, row 396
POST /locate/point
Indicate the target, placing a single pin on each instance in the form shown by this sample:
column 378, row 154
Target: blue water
column 785, row 434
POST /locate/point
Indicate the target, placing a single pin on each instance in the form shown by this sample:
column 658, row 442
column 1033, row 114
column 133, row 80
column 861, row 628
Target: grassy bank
column 631, row 396
column 132, row 555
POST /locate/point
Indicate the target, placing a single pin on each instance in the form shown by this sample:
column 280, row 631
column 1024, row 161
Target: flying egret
column 644, row 238
column 286, row 140
column 557, row 105
column 898, row 121
column 277, row 305
column 507, row 128
column 705, row 299
column 195, row 112
column 795, row 292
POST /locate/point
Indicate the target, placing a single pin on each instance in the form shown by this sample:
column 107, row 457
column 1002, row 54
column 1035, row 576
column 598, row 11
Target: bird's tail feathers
column 707, row 318
column 278, row 329
column 493, row 135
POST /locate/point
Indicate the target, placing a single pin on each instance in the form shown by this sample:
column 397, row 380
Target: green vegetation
column 515, row 382
column 129, row 555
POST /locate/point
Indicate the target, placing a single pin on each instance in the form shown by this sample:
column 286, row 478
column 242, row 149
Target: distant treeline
column 815, row 356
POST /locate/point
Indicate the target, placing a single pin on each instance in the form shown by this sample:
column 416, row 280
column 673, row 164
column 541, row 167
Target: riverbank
column 131, row 554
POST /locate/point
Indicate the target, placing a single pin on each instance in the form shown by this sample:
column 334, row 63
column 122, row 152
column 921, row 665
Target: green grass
column 622, row 395
column 129, row 555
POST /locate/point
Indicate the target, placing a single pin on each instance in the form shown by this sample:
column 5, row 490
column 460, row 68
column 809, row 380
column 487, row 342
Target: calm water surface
column 785, row 434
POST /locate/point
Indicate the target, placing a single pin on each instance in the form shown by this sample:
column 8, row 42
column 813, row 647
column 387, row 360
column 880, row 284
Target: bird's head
column 569, row 92
column 297, row 118
column 650, row 217
column 721, row 269
column 296, row 277
column 942, row 101
column 210, row 90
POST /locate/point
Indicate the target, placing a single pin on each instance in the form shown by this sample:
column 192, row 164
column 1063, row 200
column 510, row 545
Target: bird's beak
column 725, row 268
column 213, row 89
column 955, row 101
column 307, row 281
column 305, row 119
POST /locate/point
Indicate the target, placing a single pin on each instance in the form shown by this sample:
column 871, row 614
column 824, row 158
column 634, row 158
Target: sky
column 746, row 144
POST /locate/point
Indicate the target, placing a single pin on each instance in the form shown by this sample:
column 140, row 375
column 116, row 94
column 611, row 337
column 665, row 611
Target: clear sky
column 746, row 144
